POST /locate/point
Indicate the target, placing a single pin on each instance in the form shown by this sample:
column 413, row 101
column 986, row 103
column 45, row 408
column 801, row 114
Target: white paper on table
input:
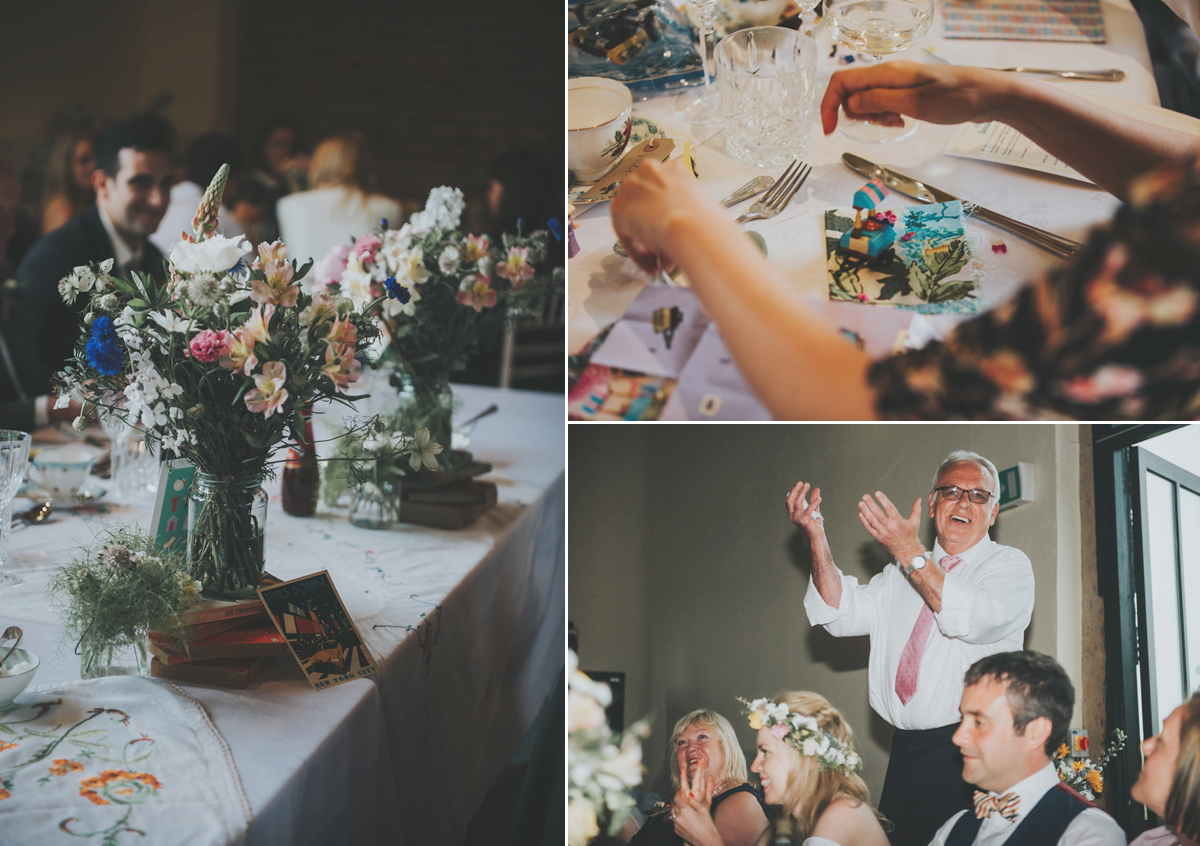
column 997, row 142
column 711, row 387
column 632, row 343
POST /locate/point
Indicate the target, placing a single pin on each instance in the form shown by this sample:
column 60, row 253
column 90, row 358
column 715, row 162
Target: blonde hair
column 1182, row 811
column 809, row 788
column 340, row 161
column 734, row 768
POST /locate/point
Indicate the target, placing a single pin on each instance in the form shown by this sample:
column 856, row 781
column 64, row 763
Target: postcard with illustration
column 320, row 634
column 916, row 258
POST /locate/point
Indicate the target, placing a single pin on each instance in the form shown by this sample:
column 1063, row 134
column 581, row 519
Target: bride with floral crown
column 806, row 763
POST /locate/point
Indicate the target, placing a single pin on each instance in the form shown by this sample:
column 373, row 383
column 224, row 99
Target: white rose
column 581, row 822
column 583, row 712
column 217, row 254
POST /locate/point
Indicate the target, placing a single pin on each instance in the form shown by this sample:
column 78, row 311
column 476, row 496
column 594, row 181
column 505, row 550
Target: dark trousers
column 923, row 787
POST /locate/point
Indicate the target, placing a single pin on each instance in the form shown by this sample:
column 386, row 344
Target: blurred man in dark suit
column 133, row 184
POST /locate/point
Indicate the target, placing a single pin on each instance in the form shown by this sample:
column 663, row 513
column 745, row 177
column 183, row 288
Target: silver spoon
column 751, row 189
column 40, row 513
column 11, row 632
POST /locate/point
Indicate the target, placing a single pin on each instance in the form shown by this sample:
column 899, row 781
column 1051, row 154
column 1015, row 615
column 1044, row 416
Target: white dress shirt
column 987, row 601
column 1092, row 827
column 313, row 222
column 123, row 256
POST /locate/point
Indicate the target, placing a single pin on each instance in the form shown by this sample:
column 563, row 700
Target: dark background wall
column 439, row 88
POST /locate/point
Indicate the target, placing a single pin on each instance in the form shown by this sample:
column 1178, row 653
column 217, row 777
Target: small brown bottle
column 302, row 474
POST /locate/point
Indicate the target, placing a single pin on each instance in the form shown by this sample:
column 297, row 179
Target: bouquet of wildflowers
column 601, row 768
column 437, row 291
column 1080, row 774
column 217, row 362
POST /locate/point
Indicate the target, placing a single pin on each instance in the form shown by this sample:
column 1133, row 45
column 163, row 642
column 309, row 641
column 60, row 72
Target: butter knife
column 926, row 193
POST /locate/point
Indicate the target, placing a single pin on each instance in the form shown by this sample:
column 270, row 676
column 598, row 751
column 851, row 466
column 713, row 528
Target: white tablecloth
column 472, row 645
column 602, row 284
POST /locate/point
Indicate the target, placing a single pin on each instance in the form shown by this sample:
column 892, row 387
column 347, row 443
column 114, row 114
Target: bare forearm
column 1108, row 148
column 797, row 364
column 928, row 583
column 825, row 575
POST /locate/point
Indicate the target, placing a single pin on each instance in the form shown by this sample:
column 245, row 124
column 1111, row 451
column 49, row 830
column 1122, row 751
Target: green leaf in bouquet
column 138, row 302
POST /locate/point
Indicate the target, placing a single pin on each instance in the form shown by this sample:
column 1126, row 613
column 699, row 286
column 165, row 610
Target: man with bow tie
column 1016, row 709
column 930, row 615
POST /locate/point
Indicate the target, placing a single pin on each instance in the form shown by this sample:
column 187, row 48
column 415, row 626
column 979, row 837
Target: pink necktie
column 909, row 671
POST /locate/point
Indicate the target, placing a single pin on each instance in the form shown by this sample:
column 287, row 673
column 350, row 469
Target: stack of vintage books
column 229, row 643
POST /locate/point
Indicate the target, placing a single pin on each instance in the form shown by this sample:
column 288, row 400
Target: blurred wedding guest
column 1108, row 335
column 340, row 205
column 1016, row 711
column 248, row 205
column 708, row 762
column 133, row 185
column 19, row 410
column 68, row 186
column 807, row 764
column 202, row 159
column 1169, row 784
column 521, row 187
column 1171, row 28
column 278, row 166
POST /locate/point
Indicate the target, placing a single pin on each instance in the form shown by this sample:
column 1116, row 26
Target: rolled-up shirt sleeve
column 854, row 614
column 990, row 605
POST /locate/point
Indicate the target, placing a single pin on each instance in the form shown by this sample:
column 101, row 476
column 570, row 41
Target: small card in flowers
column 309, row 613
column 916, row 257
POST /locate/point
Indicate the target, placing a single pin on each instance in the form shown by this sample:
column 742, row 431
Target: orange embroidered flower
column 5, row 746
column 120, row 786
column 4, row 794
column 62, row 766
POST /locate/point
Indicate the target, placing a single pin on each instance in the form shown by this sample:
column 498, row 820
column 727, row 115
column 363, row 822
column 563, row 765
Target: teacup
column 62, row 471
column 599, row 119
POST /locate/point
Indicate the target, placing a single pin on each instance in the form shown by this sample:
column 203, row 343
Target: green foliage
column 120, row 585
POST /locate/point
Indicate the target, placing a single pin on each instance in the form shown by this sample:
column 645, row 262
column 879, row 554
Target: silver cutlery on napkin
column 1106, row 75
column 926, row 193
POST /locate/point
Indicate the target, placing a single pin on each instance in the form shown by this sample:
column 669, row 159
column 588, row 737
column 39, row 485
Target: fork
column 774, row 201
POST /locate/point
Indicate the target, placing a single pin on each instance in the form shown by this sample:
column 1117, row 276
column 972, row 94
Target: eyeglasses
column 953, row 493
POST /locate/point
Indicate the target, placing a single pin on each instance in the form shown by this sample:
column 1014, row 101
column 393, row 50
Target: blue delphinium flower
column 104, row 348
column 397, row 291
column 555, row 228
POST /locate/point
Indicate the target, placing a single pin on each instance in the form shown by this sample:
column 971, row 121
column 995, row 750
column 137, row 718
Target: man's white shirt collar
column 969, row 555
column 122, row 253
column 1031, row 790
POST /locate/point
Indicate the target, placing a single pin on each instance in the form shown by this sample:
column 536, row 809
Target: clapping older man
column 930, row 615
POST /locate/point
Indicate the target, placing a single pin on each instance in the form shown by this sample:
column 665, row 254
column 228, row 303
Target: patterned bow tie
column 1005, row 806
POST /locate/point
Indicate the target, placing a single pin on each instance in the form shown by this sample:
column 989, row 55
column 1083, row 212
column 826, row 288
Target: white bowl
column 598, row 125
column 11, row 686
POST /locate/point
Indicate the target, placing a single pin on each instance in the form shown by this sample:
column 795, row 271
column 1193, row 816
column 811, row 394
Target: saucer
column 88, row 494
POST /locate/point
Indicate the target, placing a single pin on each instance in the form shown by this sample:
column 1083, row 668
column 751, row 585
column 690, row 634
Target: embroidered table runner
column 1034, row 20
column 113, row 761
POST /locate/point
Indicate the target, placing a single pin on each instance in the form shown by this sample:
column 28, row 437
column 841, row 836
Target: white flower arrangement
column 601, row 767
column 1080, row 774
column 803, row 733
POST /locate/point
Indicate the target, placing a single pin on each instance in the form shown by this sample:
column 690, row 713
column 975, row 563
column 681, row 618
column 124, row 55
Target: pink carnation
column 779, row 730
column 329, row 269
column 210, row 345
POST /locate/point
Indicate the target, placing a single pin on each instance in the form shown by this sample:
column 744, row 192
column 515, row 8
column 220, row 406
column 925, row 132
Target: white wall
column 685, row 572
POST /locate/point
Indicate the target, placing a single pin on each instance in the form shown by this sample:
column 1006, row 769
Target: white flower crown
column 803, row 733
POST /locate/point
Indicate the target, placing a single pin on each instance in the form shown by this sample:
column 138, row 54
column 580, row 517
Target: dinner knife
column 926, row 193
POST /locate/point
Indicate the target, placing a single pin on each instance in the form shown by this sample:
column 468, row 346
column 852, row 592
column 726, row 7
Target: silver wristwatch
column 917, row 563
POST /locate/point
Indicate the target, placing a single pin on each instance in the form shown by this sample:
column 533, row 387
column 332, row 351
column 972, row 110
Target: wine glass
column 876, row 28
column 702, row 106
column 14, row 455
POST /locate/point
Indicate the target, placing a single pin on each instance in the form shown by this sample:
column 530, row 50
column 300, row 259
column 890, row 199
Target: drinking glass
column 14, row 455
column 877, row 28
column 767, row 78
column 702, row 106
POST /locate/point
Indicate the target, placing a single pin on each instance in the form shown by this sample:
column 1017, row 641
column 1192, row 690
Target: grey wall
column 685, row 572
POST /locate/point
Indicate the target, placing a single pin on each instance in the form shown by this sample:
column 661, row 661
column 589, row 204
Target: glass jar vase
column 376, row 505
column 113, row 658
column 225, row 524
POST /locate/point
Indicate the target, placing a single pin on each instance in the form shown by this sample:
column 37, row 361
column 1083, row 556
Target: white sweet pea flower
column 216, row 254
column 448, row 261
column 443, row 209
